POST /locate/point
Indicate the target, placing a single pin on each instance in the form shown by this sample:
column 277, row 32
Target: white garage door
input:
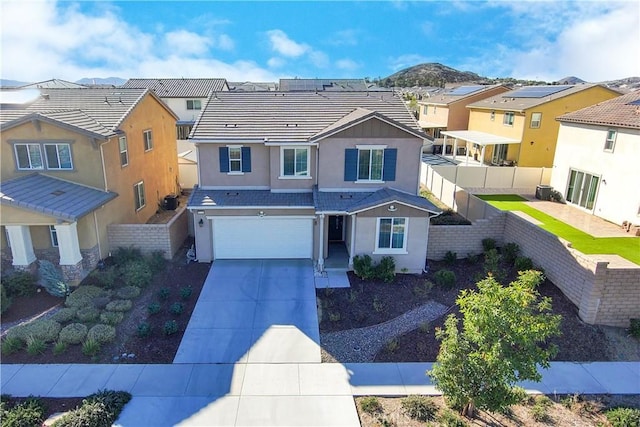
column 266, row 237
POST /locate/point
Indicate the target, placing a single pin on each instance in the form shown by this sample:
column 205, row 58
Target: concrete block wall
column 620, row 297
column 464, row 239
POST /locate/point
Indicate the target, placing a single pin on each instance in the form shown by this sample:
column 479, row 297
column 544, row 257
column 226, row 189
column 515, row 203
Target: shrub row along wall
column 151, row 237
column 605, row 293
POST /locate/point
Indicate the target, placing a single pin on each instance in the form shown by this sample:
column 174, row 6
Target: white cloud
column 276, row 62
column 347, row 64
column 319, row 59
column 344, row 38
column 225, row 42
column 187, row 42
column 282, row 44
column 404, row 61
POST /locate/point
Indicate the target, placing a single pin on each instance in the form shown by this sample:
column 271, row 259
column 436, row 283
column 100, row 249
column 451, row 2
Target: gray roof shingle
column 179, row 88
column 333, row 85
column 52, row 196
column 201, row 198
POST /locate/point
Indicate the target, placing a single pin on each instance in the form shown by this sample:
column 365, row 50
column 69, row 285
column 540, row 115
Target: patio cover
column 481, row 138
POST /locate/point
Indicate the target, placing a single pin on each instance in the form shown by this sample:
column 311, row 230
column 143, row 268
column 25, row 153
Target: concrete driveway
column 254, row 311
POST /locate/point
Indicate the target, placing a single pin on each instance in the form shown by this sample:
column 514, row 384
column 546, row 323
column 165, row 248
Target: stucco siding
column 209, row 164
column 279, row 182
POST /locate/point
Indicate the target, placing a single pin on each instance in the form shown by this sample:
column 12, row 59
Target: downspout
column 95, row 222
column 104, row 169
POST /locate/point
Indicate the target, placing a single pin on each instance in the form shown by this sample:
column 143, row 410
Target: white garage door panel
column 267, row 237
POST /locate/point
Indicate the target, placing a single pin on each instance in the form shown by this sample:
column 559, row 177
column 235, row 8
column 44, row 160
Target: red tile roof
column 623, row 111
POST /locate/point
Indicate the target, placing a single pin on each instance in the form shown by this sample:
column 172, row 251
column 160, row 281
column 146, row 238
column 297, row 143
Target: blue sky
column 265, row 41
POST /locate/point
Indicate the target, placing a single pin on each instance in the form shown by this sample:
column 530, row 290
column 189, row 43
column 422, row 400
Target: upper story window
column 508, row 119
column 392, row 235
column 610, row 142
column 148, row 140
column 425, row 109
column 194, row 104
column 536, row 118
column 28, row 156
column 124, row 151
column 295, row 162
column 235, row 159
column 370, row 163
column 58, row 156
column 138, row 195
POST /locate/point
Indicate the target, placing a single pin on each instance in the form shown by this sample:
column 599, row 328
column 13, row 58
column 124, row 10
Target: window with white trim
column 148, row 140
column 536, row 118
column 58, row 156
column 509, row 117
column 370, row 164
column 194, row 104
column 425, row 109
column 124, row 151
column 235, row 159
column 295, row 162
column 138, row 195
column 610, row 142
column 391, row 235
column 54, row 236
column 28, row 156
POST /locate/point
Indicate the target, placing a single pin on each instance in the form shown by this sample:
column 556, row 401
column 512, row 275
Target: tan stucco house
column 304, row 174
column 75, row 161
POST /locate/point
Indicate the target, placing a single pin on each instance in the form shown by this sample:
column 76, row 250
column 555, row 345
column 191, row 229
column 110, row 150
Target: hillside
column 430, row 74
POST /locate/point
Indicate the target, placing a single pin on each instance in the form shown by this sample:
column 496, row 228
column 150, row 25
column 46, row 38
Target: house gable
column 373, row 128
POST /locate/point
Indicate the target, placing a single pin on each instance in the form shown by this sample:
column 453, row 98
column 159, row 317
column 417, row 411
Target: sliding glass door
column 582, row 188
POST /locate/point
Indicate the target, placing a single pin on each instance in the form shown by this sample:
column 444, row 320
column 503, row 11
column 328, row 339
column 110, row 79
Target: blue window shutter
column 224, row 159
column 389, row 167
column 246, row 159
column 350, row 164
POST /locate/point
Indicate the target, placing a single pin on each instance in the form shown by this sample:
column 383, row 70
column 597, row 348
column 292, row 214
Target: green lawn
column 626, row 247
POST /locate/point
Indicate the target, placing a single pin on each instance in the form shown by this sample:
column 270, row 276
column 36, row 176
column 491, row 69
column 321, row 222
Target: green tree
column 502, row 341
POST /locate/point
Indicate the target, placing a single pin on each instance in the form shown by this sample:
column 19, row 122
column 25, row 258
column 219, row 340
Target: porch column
column 466, row 152
column 352, row 243
column 21, row 245
column 321, row 244
column 454, row 151
column 444, row 146
column 482, row 155
column 69, row 248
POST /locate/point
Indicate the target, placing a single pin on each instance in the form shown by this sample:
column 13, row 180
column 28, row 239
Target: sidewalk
column 276, row 394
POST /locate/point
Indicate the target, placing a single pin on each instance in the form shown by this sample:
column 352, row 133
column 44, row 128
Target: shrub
column 107, row 278
column 154, row 308
column 20, row 284
column 185, row 293
column 45, row 329
column 523, row 263
column 540, row 409
column 59, row 348
column 170, row 327
column 120, row 305
column 634, row 328
column 5, row 301
column 419, row 408
column 445, row 278
column 488, row 244
column 363, row 267
column 378, row 305
column 156, row 261
column 35, row 346
column 112, row 318
column 472, row 258
column 176, row 308
column 623, row 417
column 386, row 269
column 164, row 294
column 448, row 418
column 423, row 290
column 52, row 279
column 510, row 252
column 334, row 316
column 74, row 333
column 144, row 329
column 492, row 265
column 90, row 348
column 11, row 345
column 450, row 258
column 123, row 256
column 136, row 273
column 87, row 314
column 370, row 404
column 64, row 315
column 29, row 413
column 392, row 346
column 98, row 410
column 128, row 292
column 101, row 333
column 84, row 296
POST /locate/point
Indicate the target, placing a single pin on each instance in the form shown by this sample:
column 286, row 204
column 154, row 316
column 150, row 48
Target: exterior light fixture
column 201, row 223
column 261, row 214
column 392, row 208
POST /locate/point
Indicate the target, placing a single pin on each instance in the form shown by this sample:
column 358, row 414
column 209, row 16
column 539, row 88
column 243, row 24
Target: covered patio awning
column 482, row 139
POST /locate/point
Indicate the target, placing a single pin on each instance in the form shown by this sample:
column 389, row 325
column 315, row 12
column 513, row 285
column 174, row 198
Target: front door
column 336, row 228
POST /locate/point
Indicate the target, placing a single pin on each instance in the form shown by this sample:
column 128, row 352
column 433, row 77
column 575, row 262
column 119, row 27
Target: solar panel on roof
column 636, row 102
column 536, row 91
column 464, row 90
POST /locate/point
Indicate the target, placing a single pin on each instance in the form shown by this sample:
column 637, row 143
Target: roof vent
column 232, row 193
column 106, row 101
column 58, row 193
column 346, row 196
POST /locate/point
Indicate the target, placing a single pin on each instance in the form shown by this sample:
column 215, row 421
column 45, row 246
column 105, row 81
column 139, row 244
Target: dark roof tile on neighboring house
column 330, row 85
column 179, row 88
column 52, row 196
column 623, row 111
column 202, row 198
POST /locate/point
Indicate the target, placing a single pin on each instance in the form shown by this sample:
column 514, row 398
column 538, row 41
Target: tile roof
column 290, row 116
column 52, row 196
column 201, row 198
column 509, row 101
column 53, row 83
column 357, row 201
column 446, row 97
column 252, row 86
column 179, row 88
column 623, row 111
column 333, row 85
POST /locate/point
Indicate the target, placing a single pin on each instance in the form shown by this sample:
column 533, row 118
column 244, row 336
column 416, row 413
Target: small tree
column 502, row 341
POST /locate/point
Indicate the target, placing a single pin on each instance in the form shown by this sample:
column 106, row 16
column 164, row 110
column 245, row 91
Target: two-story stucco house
column 75, row 161
column 519, row 127
column 284, row 174
column 596, row 161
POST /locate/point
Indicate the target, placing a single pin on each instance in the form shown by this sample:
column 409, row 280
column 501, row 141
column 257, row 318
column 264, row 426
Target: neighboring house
column 448, row 110
column 186, row 98
column 75, row 161
column 307, row 175
column 596, row 161
column 519, row 127
column 324, row 85
column 53, row 84
column 252, row 86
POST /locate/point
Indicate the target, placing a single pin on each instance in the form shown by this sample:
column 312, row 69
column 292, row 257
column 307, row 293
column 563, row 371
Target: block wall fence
column 604, row 294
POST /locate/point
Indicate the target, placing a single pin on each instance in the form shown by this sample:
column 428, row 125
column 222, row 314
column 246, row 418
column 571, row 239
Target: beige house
column 75, row 161
column 309, row 175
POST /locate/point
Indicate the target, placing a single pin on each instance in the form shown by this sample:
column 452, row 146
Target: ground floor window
column 391, row 233
column 54, row 236
column 138, row 194
column 582, row 188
